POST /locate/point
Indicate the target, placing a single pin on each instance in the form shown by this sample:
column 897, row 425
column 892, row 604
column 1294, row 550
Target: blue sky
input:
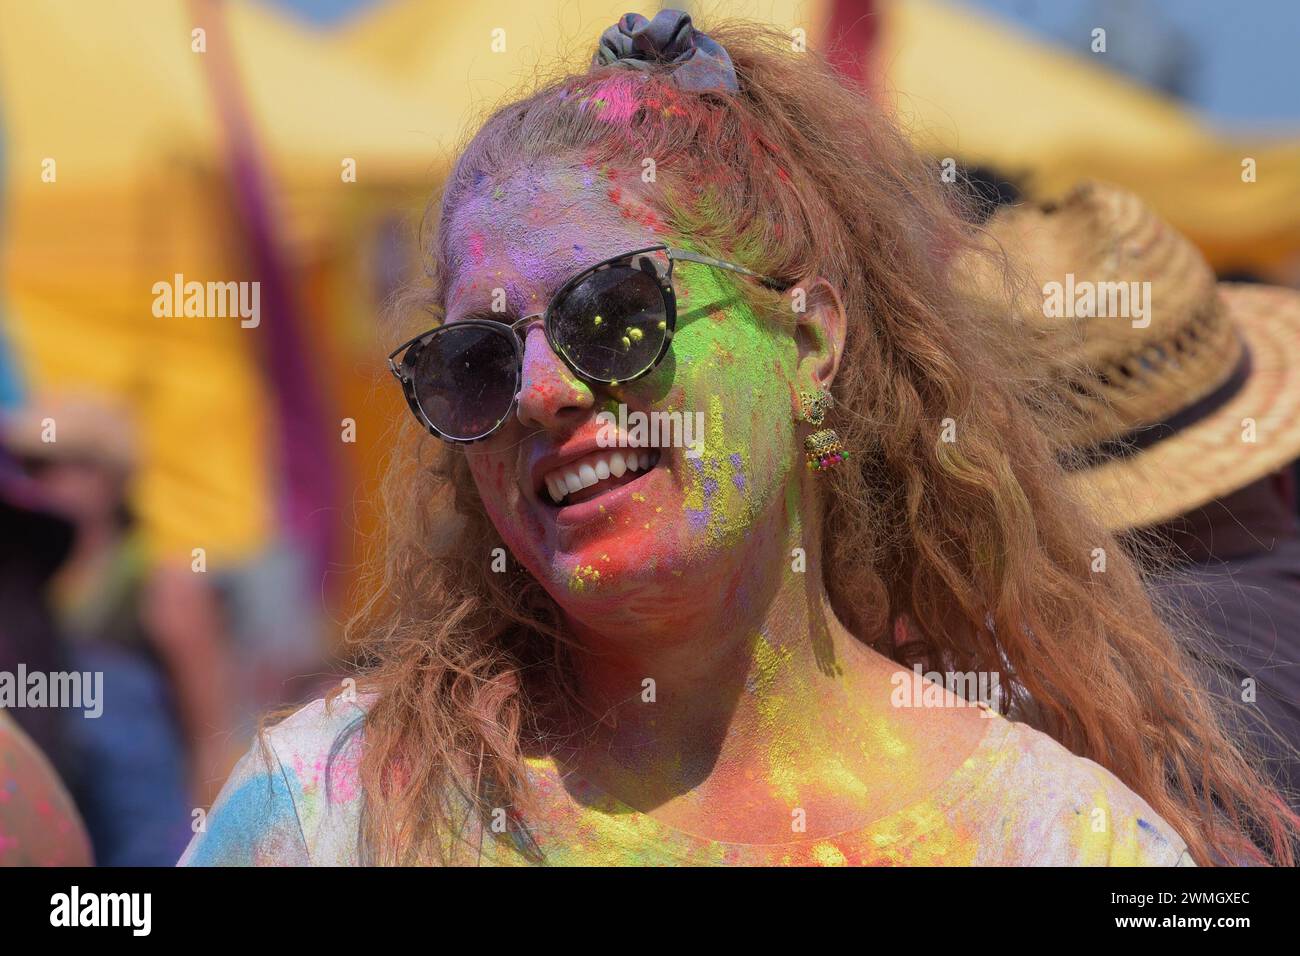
column 1244, row 55
column 1240, row 59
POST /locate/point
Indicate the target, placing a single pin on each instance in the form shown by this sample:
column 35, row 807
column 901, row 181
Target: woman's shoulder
column 320, row 729
column 1040, row 804
column 294, row 798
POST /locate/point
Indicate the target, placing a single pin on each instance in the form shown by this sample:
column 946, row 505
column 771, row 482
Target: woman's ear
column 820, row 325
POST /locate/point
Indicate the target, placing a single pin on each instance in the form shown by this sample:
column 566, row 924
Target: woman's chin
column 617, row 565
column 610, row 592
column 610, row 565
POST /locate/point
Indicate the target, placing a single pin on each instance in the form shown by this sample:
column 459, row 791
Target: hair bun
column 699, row 62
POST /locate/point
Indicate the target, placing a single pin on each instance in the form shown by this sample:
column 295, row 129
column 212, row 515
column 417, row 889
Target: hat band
column 1145, row 436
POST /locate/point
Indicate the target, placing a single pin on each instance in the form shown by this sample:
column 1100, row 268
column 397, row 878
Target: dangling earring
column 823, row 447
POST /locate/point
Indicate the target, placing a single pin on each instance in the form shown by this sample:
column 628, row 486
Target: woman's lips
column 599, row 503
column 597, row 474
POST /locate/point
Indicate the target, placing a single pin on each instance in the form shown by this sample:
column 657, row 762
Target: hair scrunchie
column 699, row 62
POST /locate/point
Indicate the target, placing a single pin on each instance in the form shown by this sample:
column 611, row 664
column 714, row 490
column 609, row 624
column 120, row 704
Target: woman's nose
column 550, row 396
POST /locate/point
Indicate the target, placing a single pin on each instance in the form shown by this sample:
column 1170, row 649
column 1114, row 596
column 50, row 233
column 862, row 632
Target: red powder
column 476, row 247
column 636, row 212
column 667, row 102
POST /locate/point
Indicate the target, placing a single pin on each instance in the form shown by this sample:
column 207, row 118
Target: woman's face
column 646, row 542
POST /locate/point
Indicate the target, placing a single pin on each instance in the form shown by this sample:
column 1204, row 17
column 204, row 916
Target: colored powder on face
column 634, row 209
column 570, row 382
column 582, row 577
column 696, row 500
column 717, row 366
column 697, row 518
column 476, row 248
column 719, row 481
column 738, row 477
column 731, row 512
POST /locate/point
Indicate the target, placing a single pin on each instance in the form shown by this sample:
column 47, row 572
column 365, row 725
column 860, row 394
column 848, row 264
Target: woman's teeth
column 601, row 466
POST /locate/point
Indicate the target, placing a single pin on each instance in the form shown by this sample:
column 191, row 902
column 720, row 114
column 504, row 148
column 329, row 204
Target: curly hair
column 973, row 542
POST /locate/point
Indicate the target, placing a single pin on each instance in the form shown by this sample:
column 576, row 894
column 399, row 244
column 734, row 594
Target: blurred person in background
column 156, row 633
column 39, row 825
column 34, row 542
column 1186, row 428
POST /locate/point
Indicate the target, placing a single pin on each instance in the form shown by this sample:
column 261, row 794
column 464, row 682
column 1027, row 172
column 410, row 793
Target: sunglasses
column 611, row 323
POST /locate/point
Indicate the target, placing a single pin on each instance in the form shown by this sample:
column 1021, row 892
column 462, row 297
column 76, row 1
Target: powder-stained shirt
column 1020, row 798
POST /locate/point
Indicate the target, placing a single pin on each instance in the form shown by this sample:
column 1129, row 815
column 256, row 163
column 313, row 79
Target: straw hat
column 1190, row 392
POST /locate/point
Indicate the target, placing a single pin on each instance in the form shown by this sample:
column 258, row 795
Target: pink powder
column 620, row 103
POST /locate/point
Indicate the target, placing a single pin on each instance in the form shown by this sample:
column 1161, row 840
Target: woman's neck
column 769, row 704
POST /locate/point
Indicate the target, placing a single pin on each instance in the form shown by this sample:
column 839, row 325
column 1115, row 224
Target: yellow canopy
column 973, row 88
column 445, row 52
column 116, row 97
column 965, row 84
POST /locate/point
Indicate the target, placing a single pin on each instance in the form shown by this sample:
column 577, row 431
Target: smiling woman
column 693, row 658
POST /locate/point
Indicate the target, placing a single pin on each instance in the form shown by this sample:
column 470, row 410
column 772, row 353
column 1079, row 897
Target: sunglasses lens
column 612, row 325
column 465, row 378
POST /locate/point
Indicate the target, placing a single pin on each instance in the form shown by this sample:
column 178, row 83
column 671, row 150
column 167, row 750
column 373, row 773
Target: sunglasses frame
column 411, row 349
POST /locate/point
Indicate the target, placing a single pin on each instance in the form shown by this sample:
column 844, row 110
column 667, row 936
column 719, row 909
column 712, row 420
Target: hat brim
column 1214, row 456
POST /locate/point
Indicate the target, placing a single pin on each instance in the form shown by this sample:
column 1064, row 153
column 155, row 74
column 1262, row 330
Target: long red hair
column 974, row 541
